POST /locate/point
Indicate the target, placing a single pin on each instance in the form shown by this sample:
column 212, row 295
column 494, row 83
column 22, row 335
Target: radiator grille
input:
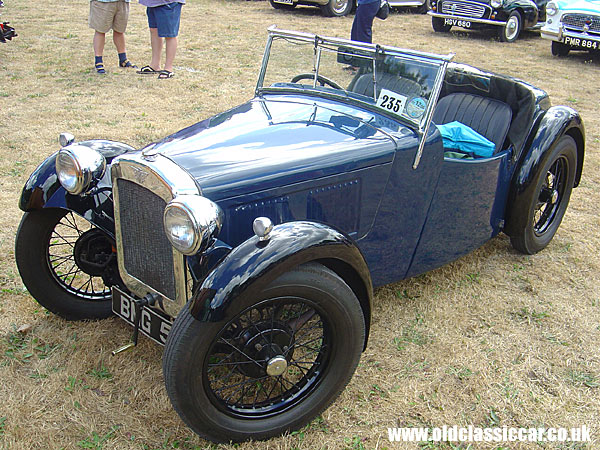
column 147, row 253
column 463, row 9
column 577, row 22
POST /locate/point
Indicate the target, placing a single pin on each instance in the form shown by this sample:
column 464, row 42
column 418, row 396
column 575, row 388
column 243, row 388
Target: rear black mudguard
column 556, row 122
column 43, row 190
column 252, row 265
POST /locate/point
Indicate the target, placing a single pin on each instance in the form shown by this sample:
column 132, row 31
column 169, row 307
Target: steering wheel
column 320, row 78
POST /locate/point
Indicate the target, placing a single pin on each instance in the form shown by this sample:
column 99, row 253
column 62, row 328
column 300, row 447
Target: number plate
column 457, row 23
column 154, row 324
column 285, row 2
column 391, row 101
column 581, row 43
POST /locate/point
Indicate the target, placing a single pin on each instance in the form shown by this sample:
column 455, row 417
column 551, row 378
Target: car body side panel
column 467, row 210
column 390, row 244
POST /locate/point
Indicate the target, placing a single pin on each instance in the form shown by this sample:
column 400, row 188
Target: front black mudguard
column 43, row 190
column 556, row 122
column 252, row 265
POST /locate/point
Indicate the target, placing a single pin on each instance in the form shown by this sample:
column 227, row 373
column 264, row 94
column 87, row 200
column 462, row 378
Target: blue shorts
column 165, row 18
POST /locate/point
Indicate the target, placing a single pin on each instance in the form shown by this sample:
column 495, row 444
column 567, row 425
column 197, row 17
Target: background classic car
column 336, row 8
column 572, row 25
column 268, row 328
column 508, row 16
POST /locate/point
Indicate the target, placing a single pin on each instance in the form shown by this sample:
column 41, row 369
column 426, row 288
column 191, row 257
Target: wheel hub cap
column 277, row 366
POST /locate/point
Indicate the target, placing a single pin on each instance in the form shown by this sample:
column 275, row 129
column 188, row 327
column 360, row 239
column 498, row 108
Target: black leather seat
column 489, row 117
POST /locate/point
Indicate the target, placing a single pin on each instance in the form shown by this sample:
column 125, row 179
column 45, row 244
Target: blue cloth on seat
column 461, row 137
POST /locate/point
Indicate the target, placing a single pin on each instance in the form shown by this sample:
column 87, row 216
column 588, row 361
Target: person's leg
column 119, row 40
column 171, row 49
column 156, row 42
column 98, row 42
column 168, row 27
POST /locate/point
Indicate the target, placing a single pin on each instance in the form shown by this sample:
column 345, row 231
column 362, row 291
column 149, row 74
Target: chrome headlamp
column 190, row 222
column 78, row 167
column 551, row 8
column 495, row 3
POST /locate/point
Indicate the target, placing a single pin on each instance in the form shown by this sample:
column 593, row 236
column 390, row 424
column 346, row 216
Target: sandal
column 164, row 74
column 127, row 64
column 100, row 68
column 147, row 70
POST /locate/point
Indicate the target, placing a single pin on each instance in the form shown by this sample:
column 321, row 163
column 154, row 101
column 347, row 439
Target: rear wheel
column 539, row 214
column 280, row 359
column 66, row 263
column 560, row 49
column 337, row 8
column 510, row 31
column 439, row 25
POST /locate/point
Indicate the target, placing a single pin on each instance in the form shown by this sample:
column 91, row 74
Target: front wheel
column 337, row 8
column 560, row 49
column 439, row 25
column 510, row 31
column 538, row 215
column 66, row 263
column 278, row 361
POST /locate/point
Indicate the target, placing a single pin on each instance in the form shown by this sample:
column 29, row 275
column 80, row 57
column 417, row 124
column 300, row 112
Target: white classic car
column 572, row 25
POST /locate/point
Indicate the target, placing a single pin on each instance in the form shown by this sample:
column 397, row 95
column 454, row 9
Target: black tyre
column 424, row 7
column 511, row 30
column 284, row 6
column 62, row 259
column 337, row 8
column 439, row 26
column 281, row 360
column 560, row 49
column 537, row 216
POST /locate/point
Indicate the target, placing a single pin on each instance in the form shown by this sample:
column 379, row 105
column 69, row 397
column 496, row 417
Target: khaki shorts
column 107, row 15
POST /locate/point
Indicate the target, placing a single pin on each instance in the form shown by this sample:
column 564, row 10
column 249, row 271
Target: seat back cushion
column 364, row 84
column 489, row 117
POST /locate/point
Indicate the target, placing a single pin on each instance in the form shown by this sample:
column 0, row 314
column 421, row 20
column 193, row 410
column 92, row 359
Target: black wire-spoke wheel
column 550, row 196
column 72, row 247
column 276, row 363
column 66, row 263
column 537, row 214
column 269, row 358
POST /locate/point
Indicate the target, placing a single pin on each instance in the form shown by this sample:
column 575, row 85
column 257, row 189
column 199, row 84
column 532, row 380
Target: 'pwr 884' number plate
column 153, row 324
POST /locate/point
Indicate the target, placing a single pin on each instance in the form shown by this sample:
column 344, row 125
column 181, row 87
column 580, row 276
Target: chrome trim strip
column 467, row 19
column 166, row 179
column 562, row 33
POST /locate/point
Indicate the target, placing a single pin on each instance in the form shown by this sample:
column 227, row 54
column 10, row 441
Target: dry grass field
column 496, row 338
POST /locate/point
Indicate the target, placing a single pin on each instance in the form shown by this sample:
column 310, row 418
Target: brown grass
column 497, row 338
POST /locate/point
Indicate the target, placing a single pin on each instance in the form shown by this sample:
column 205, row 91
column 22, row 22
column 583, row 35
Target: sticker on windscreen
column 416, row 107
column 391, row 101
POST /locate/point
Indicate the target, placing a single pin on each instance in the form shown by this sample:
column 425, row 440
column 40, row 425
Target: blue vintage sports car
column 573, row 25
column 249, row 243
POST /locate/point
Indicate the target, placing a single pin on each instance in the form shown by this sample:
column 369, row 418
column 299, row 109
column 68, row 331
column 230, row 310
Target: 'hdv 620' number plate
column 153, row 324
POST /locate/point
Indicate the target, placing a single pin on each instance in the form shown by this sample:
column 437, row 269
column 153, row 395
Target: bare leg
column 99, row 40
column 156, row 43
column 119, row 40
column 171, row 49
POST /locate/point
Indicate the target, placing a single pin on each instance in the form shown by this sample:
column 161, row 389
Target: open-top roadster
column 249, row 243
